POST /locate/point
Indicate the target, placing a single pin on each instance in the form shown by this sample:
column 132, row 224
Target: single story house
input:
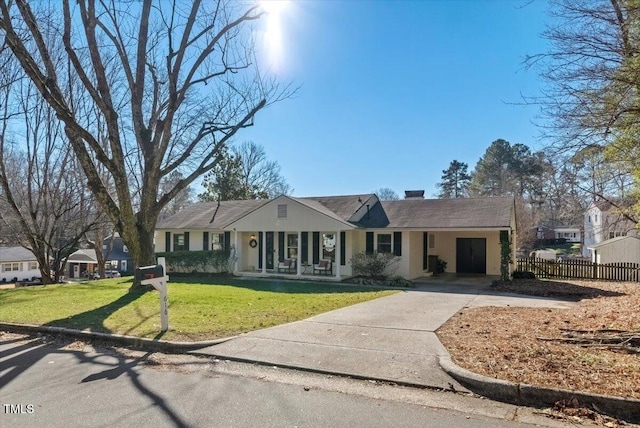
column 569, row 233
column 18, row 264
column 82, row 263
column 621, row 249
column 464, row 232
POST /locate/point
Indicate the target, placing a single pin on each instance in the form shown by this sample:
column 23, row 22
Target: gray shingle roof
column 416, row 213
column 458, row 213
column 16, row 254
column 207, row 215
column 341, row 206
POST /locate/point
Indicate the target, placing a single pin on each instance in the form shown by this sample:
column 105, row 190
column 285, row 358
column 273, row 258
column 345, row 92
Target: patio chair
column 323, row 267
column 287, row 265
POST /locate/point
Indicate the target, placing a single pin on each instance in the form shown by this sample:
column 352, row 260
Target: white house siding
column 618, row 250
column 415, row 253
column 299, row 218
column 592, row 229
column 23, row 272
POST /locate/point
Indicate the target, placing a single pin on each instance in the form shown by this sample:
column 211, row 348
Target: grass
column 564, row 249
column 199, row 307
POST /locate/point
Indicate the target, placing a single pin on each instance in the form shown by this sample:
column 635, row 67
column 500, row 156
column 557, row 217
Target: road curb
column 530, row 395
column 118, row 339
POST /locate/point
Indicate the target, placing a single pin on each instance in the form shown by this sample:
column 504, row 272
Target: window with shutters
column 217, row 241
column 384, row 243
column 178, row 242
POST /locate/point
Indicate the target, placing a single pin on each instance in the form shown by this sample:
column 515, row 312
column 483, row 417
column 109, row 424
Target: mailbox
column 149, row 272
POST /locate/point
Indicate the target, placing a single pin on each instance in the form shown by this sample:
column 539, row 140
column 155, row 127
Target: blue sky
column 392, row 91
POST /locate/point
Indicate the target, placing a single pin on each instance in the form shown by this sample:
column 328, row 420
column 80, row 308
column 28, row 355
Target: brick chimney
column 414, row 194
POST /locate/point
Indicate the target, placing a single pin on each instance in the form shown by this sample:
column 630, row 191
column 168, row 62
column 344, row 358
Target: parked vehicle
column 107, row 274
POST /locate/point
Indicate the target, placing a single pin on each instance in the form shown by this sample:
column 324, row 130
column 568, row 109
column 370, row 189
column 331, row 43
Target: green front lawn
column 199, row 307
column 564, row 249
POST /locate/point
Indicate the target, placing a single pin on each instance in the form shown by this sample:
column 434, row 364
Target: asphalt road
column 62, row 384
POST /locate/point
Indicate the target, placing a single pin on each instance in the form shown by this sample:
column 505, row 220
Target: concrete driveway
column 390, row 339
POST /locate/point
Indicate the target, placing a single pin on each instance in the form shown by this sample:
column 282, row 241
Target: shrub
column 220, row 261
column 374, row 265
column 521, row 274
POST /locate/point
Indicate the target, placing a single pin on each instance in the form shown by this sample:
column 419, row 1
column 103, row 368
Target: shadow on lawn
column 274, row 285
column 93, row 320
column 17, row 359
column 534, row 287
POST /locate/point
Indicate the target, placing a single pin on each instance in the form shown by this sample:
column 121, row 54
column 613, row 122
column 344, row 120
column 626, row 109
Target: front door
column 269, row 243
column 471, row 255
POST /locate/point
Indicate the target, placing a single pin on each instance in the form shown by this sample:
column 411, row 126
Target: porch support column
column 237, row 252
column 299, row 254
column 338, row 255
column 264, row 252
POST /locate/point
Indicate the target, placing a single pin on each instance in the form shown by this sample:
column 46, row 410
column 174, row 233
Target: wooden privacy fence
column 579, row 269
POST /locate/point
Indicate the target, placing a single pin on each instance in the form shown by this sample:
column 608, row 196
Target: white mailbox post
column 155, row 275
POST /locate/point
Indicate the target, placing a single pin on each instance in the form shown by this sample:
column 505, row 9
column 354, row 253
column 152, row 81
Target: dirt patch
column 529, row 345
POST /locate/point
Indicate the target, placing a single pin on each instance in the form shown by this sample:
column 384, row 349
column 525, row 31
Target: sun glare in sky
column 273, row 35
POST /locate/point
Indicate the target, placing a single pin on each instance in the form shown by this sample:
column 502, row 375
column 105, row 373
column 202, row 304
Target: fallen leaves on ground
column 526, row 345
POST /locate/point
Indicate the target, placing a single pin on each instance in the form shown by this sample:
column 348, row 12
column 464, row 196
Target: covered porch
column 314, row 255
column 292, row 238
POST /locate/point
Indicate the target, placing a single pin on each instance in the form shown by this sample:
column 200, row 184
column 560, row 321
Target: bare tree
column 386, row 194
column 172, row 84
column 48, row 208
column 259, row 173
column 591, row 70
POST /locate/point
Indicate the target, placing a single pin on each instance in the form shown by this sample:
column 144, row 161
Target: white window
column 282, row 211
column 432, row 241
column 33, row 265
column 292, row 245
column 9, row 267
column 616, row 234
column 217, row 241
column 125, row 249
column 384, row 242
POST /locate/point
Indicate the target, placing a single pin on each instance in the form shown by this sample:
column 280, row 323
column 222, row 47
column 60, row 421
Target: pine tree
column 455, row 181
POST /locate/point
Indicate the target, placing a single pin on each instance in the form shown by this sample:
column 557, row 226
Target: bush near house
column 216, row 261
column 374, row 265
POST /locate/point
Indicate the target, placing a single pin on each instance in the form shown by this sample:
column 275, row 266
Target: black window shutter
column 343, row 248
column 167, row 242
column 227, row 241
column 304, row 247
column 186, row 241
column 281, row 246
column 205, row 241
column 425, row 250
column 369, row 243
column 259, row 250
column 316, row 248
column 397, row 243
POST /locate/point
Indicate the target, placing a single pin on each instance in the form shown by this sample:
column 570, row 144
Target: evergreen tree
column 455, row 181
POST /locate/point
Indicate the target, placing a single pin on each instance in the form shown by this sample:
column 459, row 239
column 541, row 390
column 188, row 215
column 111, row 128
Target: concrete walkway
column 390, row 339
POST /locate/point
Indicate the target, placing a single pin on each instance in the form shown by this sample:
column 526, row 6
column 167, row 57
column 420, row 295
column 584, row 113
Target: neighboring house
column 463, row 232
column 602, row 221
column 82, row 264
column 116, row 255
column 18, row 264
column 622, row 249
column 569, row 233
